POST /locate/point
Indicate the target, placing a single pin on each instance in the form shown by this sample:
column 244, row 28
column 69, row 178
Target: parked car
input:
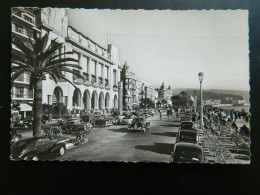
column 127, row 120
column 36, row 148
column 15, row 136
column 187, row 153
column 188, row 125
column 103, row 122
column 139, row 124
column 188, row 136
column 74, row 124
column 89, row 118
column 186, row 118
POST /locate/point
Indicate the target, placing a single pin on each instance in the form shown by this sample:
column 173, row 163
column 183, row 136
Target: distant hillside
column 221, row 94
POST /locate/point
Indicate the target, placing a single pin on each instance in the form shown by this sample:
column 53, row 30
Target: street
column 114, row 143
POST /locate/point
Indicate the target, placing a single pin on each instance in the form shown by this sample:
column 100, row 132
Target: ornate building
column 100, row 66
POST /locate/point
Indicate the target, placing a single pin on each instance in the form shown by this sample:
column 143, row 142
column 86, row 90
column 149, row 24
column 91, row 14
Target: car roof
column 188, row 146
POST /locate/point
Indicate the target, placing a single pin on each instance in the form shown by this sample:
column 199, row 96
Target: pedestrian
column 160, row 115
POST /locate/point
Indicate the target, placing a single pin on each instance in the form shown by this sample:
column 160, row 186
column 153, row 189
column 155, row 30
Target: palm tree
column 38, row 59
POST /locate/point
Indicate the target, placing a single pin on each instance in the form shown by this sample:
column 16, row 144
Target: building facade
column 23, row 27
column 100, row 67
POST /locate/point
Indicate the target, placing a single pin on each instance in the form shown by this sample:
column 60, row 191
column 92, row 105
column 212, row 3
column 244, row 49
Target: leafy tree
column 39, row 59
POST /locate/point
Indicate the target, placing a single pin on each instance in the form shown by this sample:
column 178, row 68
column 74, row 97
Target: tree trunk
column 37, row 107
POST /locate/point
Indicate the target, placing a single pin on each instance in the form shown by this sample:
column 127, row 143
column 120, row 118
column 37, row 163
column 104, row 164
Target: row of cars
column 40, row 147
column 187, row 148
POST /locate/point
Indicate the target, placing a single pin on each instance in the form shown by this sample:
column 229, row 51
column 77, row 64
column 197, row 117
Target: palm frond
column 58, row 66
column 59, row 55
column 49, row 51
column 17, row 74
column 58, row 61
column 24, row 48
column 72, row 72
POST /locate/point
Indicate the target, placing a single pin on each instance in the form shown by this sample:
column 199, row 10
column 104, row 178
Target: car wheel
column 35, row 158
column 61, row 151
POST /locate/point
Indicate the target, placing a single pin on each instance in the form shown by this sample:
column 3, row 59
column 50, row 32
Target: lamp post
column 201, row 75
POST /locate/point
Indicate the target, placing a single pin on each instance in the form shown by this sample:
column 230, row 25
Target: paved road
column 114, row 143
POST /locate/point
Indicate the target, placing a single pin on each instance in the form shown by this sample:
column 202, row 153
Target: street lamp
column 195, row 102
column 201, row 75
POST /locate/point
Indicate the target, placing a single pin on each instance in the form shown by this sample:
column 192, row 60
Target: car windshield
column 187, row 126
column 20, row 143
column 188, row 136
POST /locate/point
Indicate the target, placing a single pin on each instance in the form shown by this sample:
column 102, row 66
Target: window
column 19, row 29
column 29, row 19
column 19, row 92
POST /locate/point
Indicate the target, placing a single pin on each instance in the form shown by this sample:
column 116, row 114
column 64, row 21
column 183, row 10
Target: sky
column 174, row 46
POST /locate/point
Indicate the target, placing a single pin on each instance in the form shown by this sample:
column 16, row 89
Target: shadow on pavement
column 169, row 125
column 161, row 148
column 169, row 134
column 121, row 130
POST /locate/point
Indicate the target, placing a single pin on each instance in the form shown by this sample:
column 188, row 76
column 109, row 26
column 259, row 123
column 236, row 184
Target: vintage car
column 74, row 124
column 187, row 153
column 188, row 136
column 186, row 118
column 127, row 120
column 36, row 148
column 15, row 136
column 89, row 118
column 139, row 124
column 103, row 121
column 187, row 125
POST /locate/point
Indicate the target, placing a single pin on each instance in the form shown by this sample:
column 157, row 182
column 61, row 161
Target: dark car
column 188, row 125
column 188, row 136
column 103, row 122
column 187, row 153
column 15, row 136
column 139, row 123
column 35, row 148
column 74, row 124
column 89, row 118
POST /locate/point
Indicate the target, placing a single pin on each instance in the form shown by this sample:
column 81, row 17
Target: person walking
column 160, row 115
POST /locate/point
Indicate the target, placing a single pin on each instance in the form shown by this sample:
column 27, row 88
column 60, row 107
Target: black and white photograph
column 154, row 86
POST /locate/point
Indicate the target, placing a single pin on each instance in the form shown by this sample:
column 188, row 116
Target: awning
column 25, row 107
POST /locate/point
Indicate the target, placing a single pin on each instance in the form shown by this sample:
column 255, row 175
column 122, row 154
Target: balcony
column 102, row 86
column 115, row 88
column 95, row 85
column 77, row 80
column 22, row 96
column 108, row 87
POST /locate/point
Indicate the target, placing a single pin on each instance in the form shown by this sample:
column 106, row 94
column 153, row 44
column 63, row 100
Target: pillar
column 102, row 73
column 88, row 67
column 120, row 97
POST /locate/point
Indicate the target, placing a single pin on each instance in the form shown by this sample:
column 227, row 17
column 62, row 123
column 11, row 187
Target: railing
column 17, row 95
column 77, row 80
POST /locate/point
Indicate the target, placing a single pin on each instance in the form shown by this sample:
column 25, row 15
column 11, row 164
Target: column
column 88, row 67
column 80, row 62
column 109, row 75
column 96, row 72
column 120, row 97
column 102, row 73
